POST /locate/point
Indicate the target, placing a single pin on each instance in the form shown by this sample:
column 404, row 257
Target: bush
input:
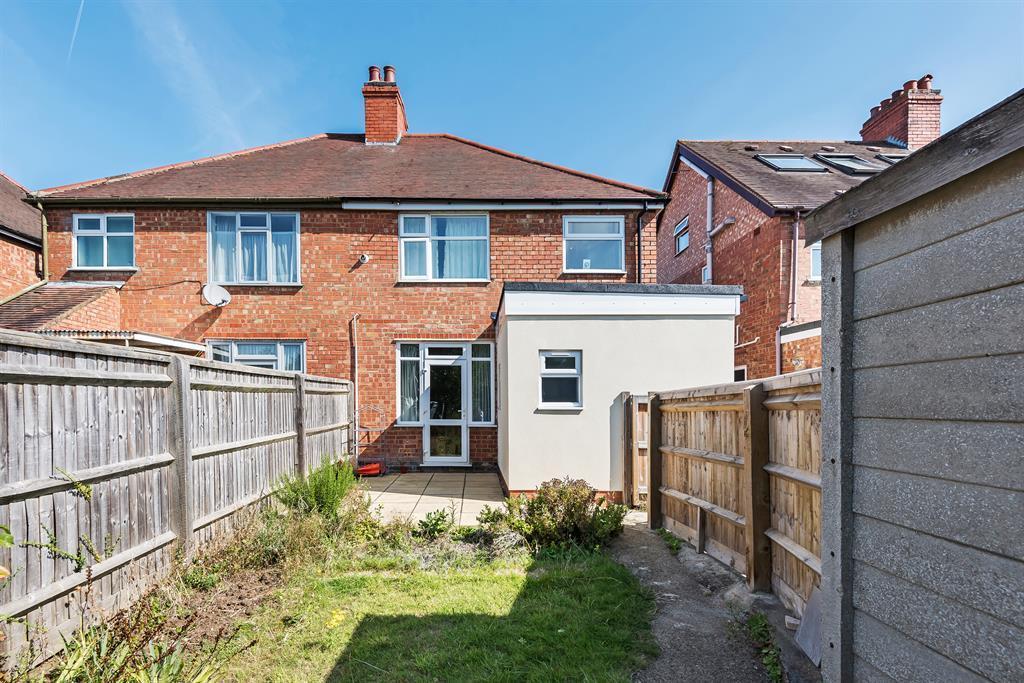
column 563, row 512
column 322, row 491
column 437, row 523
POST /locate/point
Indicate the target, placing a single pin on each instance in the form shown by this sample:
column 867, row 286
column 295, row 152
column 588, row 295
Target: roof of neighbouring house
column 341, row 166
column 736, row 163
column 15, row 215
column 36, row 308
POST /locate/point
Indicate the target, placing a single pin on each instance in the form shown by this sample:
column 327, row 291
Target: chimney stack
column 383, row 107
column 911, row 116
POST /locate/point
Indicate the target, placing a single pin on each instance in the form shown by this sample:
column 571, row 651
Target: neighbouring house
column 922, row 429
column 21, row 244
column 378, row 256
column 735, row 216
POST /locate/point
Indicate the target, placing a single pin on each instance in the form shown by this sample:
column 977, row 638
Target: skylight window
column 790, row 162
column 850, row 163
column 890, row 158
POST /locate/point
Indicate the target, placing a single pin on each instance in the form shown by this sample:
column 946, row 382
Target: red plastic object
column 373, row 469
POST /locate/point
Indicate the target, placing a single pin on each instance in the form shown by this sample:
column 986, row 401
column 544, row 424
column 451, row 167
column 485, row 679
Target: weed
column 55, row 551
column 763, row 636
column 200, row 578
column 322, row 491
column 78, row 488
column 674, row 543
column 437, row 523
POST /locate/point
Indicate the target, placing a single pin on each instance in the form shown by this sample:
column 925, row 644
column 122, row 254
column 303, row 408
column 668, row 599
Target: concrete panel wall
column 934, row 351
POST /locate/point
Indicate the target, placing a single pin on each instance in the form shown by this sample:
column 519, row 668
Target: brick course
column 163, row 297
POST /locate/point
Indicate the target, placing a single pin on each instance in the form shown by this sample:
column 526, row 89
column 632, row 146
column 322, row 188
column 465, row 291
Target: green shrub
column 322, row 491
column 200, row 578
column 437, row 523
column 562, row 513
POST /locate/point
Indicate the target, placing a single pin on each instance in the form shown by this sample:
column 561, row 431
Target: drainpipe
column 709, row 226
column 44, row 234
column 355, row 386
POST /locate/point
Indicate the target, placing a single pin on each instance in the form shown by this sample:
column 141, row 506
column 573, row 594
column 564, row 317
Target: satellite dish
column 215, row 295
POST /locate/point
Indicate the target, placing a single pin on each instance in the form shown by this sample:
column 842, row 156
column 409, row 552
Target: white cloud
column 167, row 40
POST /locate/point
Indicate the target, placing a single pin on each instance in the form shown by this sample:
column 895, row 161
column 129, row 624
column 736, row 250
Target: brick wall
column 801, row 354
column 18, row 267
column 163, row 297
column 755, row 252
column 103, row 313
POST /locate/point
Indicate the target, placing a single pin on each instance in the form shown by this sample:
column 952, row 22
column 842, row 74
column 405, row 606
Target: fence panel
column 111, row 459
column 737, row 468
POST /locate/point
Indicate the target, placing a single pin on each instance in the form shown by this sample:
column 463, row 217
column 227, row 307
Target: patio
column 415, row 494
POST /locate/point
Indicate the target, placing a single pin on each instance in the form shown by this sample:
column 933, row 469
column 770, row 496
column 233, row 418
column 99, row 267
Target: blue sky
column 603, row 87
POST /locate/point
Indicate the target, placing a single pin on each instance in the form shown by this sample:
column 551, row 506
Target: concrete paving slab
column 416, row 494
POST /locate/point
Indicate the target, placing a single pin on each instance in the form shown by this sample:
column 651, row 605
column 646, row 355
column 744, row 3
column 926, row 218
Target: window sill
column 289, row 285
column 813, row 282
column 484, row 281
column 105, row 269
column 593, row 272
column 558, row 409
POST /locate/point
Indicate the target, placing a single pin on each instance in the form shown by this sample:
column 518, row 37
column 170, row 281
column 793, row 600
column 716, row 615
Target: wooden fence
column 634, row 458
column 112, row 460
column 734, row 470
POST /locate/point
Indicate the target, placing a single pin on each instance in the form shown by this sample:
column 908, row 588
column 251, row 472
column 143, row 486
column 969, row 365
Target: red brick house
column 20, row 240
column 736, row 212
column 350, row 255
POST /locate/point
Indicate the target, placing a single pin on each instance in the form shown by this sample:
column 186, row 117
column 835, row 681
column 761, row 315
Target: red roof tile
column 334, row 166
column 34, row 309
column 15, row 215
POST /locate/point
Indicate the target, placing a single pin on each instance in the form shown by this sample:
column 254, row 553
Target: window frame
column 76, row 232
column 739, row 368
column 576, row 373
column 816, row 247
column 835, row 160
column 466, row 355
column 428, row 239
column 233, row 356
column 682, row 228
column 269, row 282
column 621, row 238
column 766, row 159
column 705, row 277
column 891, row 159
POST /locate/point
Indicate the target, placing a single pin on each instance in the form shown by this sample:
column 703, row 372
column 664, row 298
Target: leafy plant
column 200, row 578
column 322, row 491
column 563, row 512
column 437, row 523
column 763, row 637
column 674, row 543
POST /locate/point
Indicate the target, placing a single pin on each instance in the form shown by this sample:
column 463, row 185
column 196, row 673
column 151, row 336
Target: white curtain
column 410, row 396
column 284, row 257
column 224, row 248
column 481, row 386
column 456, row 259
column 254, row 256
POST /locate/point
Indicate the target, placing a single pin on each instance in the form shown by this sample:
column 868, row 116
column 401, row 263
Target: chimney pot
column 925, row 82
column 374, row 74
column 384, row 111
column 389, row 74
column 906, row 117
column 910, row 85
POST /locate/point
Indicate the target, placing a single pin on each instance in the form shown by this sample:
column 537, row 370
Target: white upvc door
column 445, row 411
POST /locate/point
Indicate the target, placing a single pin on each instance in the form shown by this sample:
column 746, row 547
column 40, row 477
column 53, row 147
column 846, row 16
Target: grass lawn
column 558, row 617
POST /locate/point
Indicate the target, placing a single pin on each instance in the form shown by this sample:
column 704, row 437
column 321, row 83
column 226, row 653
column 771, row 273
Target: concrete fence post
column 179, row 431
column 301, row 467
column 654, row 520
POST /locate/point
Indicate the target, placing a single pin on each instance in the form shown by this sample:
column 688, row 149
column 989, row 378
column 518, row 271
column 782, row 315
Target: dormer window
column 791, row 162
column 850, row 163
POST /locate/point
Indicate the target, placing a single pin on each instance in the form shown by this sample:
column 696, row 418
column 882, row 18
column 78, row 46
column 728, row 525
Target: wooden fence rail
column 734, row 470
column 112, row 460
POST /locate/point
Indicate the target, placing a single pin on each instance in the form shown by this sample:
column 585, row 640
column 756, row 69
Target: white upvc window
column 103, row 241
column 561, row 380
column 593, row 244
column 705, row 275
column 444, row 246
column 479, row 356
column 260, row 353
column 682, row 235
column 251, row 247
column 815, row 273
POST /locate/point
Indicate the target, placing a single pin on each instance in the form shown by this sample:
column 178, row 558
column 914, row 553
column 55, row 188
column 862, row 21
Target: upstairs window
column 593, row 244
column 705, row 275
column 815, row 262
column 254, row 248
column 103, row 241
column 682, row 235
column 560, row 379
column 444, row 247
column 273, row 355
column 791, row 162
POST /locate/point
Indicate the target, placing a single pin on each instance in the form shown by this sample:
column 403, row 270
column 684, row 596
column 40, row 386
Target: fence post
column 179, row 431
column 300, row 425
column 654, row 462
column 627, row 448
column 757, row 489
